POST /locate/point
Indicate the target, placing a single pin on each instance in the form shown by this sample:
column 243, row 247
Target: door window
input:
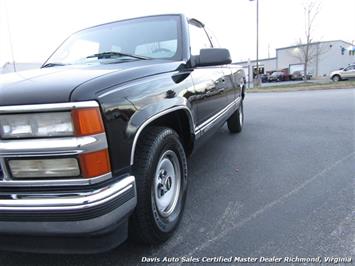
column 198, row 39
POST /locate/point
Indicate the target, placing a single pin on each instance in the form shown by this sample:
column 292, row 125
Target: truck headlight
column 44, row 168
column 35, row 125
column 78, row 122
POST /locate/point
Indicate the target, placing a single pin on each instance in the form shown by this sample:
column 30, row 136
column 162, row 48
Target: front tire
column 336, row 78
column 161, row 176
column 236, row 121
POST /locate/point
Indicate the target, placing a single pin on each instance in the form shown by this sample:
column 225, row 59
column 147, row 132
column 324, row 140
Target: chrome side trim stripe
column 50, row 107
column 203, row 127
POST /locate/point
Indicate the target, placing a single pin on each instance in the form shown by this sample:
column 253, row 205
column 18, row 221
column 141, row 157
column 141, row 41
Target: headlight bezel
column 87, row 124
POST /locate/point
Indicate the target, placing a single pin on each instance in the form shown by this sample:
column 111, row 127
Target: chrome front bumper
column 60, row 208
column 67, row 213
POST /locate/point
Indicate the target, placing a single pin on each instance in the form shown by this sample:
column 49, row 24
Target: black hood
column 57, row 84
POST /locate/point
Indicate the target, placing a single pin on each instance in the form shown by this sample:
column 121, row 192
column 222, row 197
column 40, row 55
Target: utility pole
column 257, row 78
column 268, row 50
column 249, row 73
column 257, row 44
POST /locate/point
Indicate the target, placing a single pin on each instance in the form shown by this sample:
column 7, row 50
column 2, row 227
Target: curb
column 265, row 90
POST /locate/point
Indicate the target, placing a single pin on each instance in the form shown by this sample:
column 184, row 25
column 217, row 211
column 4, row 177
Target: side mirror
column 213, row 57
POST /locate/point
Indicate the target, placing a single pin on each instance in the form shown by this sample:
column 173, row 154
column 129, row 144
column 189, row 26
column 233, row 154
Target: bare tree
column 308, row 51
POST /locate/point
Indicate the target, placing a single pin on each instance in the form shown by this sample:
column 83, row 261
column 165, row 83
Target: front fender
column 128, row 109
column 155, row 110
column 140, row 120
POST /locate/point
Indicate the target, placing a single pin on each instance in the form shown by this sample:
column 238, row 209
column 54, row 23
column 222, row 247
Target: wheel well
column 180, row 122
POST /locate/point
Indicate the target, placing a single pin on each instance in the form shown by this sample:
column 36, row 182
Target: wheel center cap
column 164, row 185
column 167, row 183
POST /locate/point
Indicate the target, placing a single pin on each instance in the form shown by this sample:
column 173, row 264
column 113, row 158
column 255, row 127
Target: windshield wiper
column 113, row 54
column 53, row 65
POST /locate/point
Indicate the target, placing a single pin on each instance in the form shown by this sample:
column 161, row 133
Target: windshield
column 135, row 39
column 349, row 68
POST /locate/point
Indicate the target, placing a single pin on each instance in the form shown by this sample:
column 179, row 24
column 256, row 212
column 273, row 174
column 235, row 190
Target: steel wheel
column 161, row 177
column 167, row 182
column 336, row 78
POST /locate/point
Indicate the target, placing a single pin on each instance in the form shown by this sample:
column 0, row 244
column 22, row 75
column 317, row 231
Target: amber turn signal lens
column 87, row 121
column 95, row 163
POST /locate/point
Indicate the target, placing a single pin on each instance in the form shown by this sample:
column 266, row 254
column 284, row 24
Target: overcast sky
column 37, row 27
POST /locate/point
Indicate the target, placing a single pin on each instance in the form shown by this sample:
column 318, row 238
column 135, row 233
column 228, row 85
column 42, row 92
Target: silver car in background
column 345, row 73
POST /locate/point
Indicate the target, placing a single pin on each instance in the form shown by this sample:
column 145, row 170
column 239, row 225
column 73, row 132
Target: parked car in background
column 299, row 75
column 309, row 75
column 264, row 78
column 277, row 76
column 344, row 73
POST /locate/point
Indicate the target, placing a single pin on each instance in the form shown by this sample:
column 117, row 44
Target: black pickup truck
column 93, row 145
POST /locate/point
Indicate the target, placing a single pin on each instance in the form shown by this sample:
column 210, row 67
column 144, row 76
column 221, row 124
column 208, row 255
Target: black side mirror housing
column 213, row 57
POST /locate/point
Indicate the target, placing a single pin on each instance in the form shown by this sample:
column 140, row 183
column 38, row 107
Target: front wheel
column 235, row 122
column 336, row 78
column 161, row 176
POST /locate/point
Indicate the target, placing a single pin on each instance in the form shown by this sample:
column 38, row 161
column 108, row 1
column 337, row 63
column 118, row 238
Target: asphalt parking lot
column 283, row 187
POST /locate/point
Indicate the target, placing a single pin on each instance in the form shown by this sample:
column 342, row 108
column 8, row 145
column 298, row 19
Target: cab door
column 209, row 82
column 349, row 72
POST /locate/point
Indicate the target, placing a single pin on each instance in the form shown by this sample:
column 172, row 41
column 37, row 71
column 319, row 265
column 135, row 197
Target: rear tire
column 236, row 121
column 160, row 169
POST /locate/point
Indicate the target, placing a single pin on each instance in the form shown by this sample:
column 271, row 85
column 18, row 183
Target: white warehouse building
column 325, row 57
